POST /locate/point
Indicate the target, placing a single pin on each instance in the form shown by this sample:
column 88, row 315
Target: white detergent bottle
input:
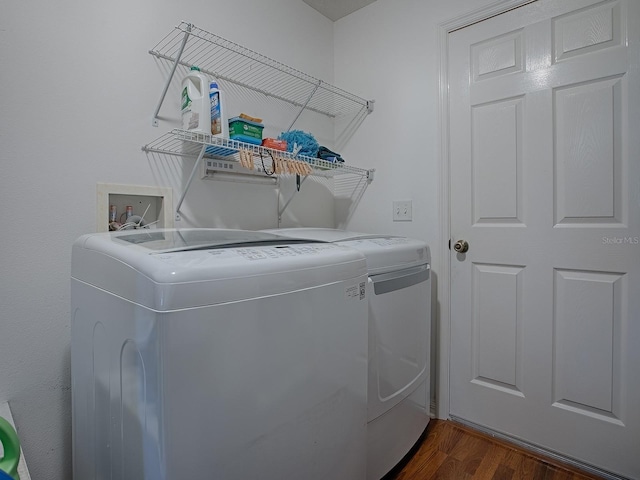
column 196, row 110
column 219, row 123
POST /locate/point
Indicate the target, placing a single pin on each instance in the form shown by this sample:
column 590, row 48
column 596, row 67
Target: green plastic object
column 11, row 447
column 239, row 127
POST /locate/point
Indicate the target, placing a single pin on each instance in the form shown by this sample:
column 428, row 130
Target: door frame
column 443, row 331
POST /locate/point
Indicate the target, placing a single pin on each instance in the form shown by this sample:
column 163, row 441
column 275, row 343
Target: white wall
column 389, row 51
column 77, row 91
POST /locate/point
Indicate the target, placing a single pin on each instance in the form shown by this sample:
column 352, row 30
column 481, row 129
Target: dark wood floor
column 450, row 451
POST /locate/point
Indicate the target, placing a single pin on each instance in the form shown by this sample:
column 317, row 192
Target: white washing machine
column 221, row 354
column 399, row 291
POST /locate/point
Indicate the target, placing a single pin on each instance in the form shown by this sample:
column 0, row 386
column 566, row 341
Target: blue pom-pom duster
column 305, row 141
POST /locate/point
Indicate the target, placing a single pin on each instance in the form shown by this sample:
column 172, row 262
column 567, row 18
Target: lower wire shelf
column 190, row 144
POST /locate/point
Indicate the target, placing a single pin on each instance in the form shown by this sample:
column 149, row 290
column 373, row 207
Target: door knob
column 461, row 246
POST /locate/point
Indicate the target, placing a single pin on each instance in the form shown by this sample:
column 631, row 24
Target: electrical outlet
column 402, row 211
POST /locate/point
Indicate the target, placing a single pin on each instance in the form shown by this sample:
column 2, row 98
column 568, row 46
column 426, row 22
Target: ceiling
column 336, row 9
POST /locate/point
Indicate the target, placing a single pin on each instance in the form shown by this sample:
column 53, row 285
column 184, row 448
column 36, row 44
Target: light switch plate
column 402, row 211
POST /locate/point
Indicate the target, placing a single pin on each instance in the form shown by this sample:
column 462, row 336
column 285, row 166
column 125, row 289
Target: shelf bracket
column 154, row 121
column 313, row 92
column 370, row 105
column 196, row 166
column 284, row 207
column 370, row 175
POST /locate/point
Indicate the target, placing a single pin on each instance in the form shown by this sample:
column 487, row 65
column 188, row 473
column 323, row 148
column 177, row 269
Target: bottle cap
column 195, row 68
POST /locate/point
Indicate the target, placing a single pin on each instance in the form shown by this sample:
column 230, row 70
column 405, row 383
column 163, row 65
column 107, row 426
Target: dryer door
column 399, row 336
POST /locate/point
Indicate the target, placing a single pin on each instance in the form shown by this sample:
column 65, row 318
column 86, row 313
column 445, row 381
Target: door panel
column 496, row 319
column 587, row 341
column 498, row 56
column 588, row 146
column 587, row 30
column 497, row 161
column 545, row 168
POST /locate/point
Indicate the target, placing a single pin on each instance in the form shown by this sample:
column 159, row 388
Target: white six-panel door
column 545, row 188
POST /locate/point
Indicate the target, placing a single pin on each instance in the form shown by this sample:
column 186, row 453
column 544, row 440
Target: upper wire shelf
column 186, row 143
column 228, row 61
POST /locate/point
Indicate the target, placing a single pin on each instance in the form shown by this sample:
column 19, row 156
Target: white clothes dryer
column 225, row 354
column 399, row 292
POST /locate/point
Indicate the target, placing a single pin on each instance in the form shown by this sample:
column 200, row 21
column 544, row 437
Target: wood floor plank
column 502, row 473
column 451, row 468
column 490, row 462
column 528, row 468
column 559, row 474
column 450, row 438
column 477, row 450
column 425, row 471
column 451, row 451
column 514, row 460
column 462, row 448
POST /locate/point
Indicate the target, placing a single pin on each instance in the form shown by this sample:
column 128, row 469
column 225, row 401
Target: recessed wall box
column 154, row 204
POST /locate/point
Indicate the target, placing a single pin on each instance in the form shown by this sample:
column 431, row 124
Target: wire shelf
column 228, row 61
column 186, row 143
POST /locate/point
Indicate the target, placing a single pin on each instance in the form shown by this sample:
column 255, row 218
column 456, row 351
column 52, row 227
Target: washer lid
column 174, row 240
column 384, row 253
column 322, row 234
column 172, row 269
